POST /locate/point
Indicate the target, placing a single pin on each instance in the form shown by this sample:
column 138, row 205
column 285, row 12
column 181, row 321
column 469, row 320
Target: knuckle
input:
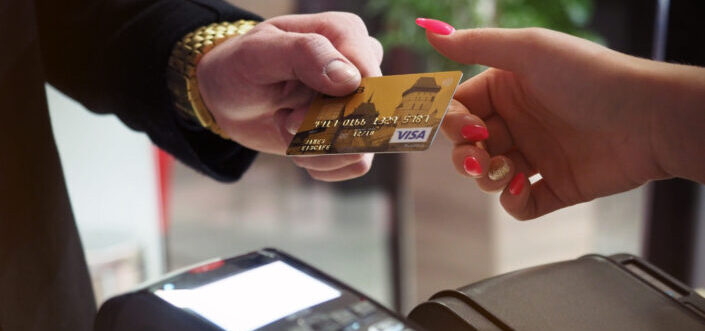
column 377, row 48
column 262, row 27
column 355, row 20
column 259, row 34
column 376, row 44
column 310, row 42
column 347, row 17
column 534, row 35
column 274, row 20
column 346, row 22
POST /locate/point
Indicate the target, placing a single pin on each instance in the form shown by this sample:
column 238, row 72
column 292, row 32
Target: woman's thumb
column 506, row 49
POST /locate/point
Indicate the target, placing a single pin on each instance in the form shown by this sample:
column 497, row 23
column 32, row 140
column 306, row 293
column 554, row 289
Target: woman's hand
column 589, row 120
column 259, row 85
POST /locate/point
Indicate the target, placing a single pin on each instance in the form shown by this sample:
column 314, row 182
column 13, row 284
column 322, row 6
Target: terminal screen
column 254, row 298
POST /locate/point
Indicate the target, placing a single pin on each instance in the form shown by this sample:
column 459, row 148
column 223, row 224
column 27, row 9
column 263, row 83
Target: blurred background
column 409, row 228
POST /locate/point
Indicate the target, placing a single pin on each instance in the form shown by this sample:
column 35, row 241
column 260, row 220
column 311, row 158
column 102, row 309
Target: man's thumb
column 318, row 64
column 274, row 56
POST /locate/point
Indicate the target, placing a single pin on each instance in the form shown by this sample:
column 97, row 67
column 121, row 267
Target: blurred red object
column 164, row 169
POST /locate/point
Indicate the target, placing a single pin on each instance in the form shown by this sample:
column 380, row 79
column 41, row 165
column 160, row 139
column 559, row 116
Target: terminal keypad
column 359, row 316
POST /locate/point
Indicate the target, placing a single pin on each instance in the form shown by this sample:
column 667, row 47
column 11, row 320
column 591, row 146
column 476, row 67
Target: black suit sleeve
column 111, row 55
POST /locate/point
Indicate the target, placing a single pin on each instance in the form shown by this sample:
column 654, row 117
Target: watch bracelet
column 181, row 73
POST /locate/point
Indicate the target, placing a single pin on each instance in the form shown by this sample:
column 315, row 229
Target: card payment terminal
column 270, row 290
column 263, row 290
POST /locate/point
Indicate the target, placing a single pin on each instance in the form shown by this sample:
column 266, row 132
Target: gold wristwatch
column 181, row 73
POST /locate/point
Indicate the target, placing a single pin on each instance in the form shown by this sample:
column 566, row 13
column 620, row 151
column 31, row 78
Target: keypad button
column 387, row 325
column 326, row 326
column 353, row 327
column 363, row 308
column 343, row 316
column 314, row 319
column 300, row 328
column 320, row 322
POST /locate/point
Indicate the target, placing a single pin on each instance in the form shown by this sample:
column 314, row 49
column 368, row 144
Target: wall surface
column 111, row 177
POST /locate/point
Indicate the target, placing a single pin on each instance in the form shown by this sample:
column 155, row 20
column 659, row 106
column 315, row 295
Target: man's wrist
column 181, row 72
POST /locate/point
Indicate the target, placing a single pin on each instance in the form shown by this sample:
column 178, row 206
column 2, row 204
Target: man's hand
column 259, row 85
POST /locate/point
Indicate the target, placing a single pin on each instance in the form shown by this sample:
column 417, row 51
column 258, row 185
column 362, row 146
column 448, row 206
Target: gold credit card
column 398, row 113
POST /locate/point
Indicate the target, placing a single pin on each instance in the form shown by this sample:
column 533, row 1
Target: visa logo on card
column 410, row 135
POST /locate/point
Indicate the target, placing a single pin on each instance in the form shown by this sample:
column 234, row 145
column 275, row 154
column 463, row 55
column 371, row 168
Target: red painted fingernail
column 435, row 26
column 472, row 166
column 474, row 132
column 517, row 184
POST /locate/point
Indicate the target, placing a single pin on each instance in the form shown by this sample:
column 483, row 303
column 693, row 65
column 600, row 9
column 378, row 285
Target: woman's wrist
column 674, row 100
